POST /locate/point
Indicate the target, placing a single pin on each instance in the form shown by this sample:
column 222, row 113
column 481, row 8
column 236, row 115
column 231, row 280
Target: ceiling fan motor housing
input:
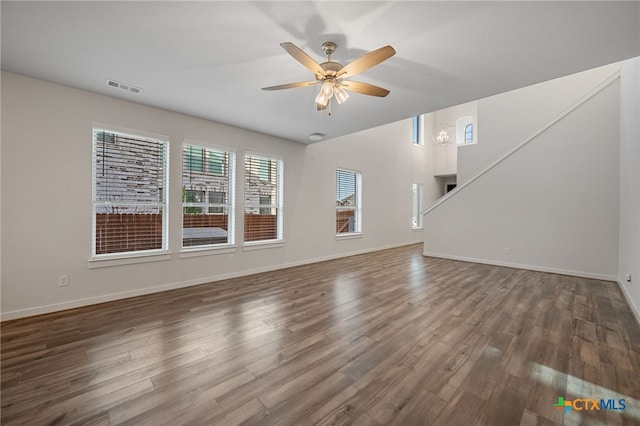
column 330, row 69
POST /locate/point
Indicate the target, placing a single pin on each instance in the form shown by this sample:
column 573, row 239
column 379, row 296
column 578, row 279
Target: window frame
column 417, row 129
column 228, row 174
column 462, row 124
column 358, row 203
column 277, row 199
column 162, row 253
column 417, row 205
column 468, row 129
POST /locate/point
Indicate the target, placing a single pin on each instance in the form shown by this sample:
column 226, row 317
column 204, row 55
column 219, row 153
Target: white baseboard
column 55, row 307
column 625, row 292
column 581, row 274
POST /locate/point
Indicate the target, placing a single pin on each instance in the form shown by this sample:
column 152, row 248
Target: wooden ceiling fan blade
column 300, row 56
column 320, row 107
column 292, row 85
column 365, row 88
column 366, row 61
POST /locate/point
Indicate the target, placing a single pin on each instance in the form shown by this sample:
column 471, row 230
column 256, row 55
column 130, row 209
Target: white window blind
column 263, row 198
column 417, row 205
column 348, row 202
column 129, row 193
column 207, row 196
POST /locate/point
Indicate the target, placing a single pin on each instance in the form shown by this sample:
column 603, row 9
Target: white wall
column 446, row 155
column 554, row 202
column 629, row 255
column 504, row 120
column 430, row 158
column 46, row 197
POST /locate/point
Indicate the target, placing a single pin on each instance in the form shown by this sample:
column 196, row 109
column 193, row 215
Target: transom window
column 348, row 202
column 129, row 180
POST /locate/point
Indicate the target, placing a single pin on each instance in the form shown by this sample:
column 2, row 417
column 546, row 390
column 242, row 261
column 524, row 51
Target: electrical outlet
column 63, row 280
column 507, row 250
column 232, row 257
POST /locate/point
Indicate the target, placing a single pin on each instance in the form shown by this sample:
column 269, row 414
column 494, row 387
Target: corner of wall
column 629, row 230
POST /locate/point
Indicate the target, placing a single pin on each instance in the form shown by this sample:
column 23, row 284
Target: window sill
column 259, row 245
column 123, row 259
column 419, row 228
column 349, row 236
column 418, row 145
column 206, row 251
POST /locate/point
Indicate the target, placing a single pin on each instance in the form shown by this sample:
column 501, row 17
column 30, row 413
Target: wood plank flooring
column 387, row 338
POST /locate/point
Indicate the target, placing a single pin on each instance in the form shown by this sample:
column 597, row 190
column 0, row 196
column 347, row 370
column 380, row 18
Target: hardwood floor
column 388, row 338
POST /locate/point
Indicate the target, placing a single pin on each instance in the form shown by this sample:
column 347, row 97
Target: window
column 194, row 158
column 264, row 169
column 129, row 180
column 464, row 131
column 468, row 133
column 263, row 198
column 417, row 130
column 207, row 196
column 417, row 205
column 348, row 202
column 216, row 162
column 193, row 197
column 216, row 198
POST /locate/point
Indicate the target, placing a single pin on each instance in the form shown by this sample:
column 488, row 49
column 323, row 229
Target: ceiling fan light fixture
column 443, row 136
column 340, row 94
column 326, row 92
column 330, row 74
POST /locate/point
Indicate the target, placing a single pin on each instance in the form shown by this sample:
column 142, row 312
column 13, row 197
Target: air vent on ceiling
column 123, row 86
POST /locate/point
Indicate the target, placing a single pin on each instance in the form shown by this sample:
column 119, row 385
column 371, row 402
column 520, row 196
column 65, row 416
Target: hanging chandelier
column 443, row 136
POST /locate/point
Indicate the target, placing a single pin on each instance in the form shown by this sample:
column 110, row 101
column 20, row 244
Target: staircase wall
column 552, row 205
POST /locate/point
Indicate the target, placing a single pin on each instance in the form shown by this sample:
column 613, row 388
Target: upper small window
column 417, row 130
column 468, row 133
column 464, row 131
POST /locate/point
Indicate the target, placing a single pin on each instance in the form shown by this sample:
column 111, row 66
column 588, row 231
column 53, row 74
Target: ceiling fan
column 333, row 76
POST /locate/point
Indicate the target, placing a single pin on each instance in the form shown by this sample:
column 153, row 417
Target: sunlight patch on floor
column 579, row 388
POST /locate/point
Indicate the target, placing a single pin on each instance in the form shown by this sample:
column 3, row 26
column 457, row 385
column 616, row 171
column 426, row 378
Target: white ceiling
column 210, row 59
